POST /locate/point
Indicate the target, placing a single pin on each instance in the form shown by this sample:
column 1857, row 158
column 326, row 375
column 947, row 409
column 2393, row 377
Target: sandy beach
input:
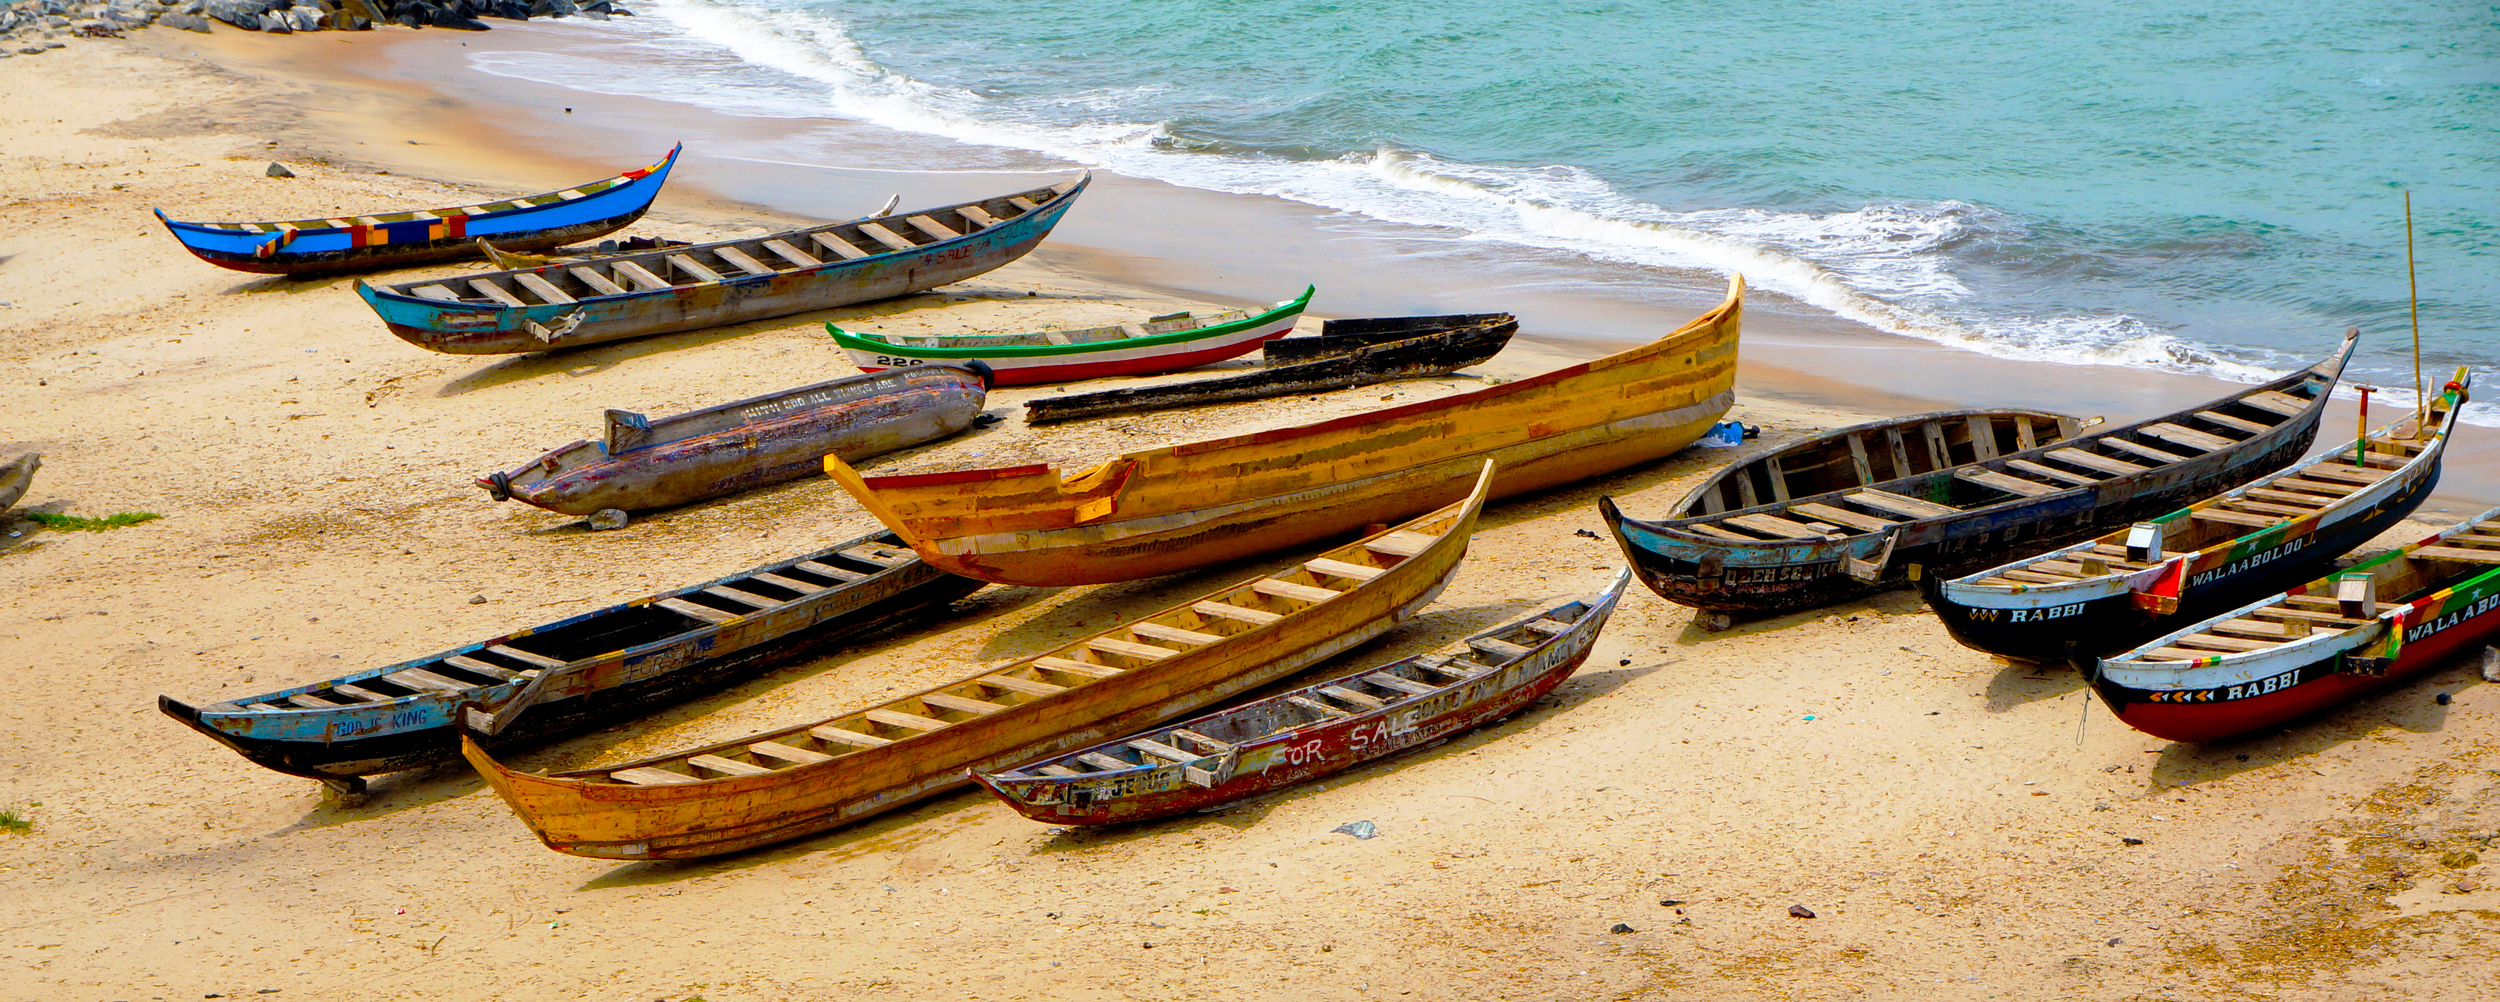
column 1958, row 826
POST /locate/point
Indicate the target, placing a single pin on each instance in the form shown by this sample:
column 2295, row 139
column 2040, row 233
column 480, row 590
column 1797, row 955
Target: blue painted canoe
column 393, row 239
column 565, row 304
column 563, row 676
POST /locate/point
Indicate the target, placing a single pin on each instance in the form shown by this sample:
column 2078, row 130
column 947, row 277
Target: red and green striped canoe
column 1166, row 343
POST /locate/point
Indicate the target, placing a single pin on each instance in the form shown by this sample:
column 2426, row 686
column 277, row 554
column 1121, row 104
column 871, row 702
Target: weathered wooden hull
column 361, row 738
column 777, row 438
column 691, row 816
column 1427, row 354
column 1182, row 507
column 1871, row 453
column 1342, row 336
column 476, row 328
column 1769, row 577
column 1028, row 365
column 17, row 475
column 536, row 222
column 2089, row 618
column 1162, row 788
column 2224, row 697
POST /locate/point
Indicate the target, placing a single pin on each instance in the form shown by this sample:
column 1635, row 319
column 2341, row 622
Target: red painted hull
column 2318, row 688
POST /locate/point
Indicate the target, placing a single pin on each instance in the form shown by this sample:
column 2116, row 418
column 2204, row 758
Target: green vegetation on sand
column 82, row 523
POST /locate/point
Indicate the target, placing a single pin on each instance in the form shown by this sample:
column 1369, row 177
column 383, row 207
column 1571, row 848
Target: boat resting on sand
column 1244, row 751
column 1441, row 347
column 1347, row 335
column 15, row 476
column 745, row 444
column 578, row 671
column 1167, row 343
column 2325, row 644
column 2104, row 594
column 397, row 239
column 1186, row 506
column 1811, row 549
column 668, row 289
column 801, row 780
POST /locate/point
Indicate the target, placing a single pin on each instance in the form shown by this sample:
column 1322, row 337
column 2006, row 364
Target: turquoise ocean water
column 2215, row 190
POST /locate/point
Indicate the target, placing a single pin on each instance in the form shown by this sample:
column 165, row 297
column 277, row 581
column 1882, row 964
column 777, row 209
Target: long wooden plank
column 2234, row 517
column 729, row 766
column 832, row 735
column 469, row 664
column 977, row 216
column 527, row 657
column 1104, row 762
column 2008, row 484
column 898, row 718
column 1339, row 692
column 967, row 704
column 435, row 292
column 1074, row 667
column 1323, row 709
column 2344, row 471
column 597, row 282
column 2120, row 443
column 1409, row 687
column 360, row 692
column 495, row 292
column 1772, row 525
column 787, row 753
column 1342, row 569
column 830, row 571
column 544, row 289
column 2229, row 421
column 2457, row 553
column 1174, row 634
column 843, row 248
column 1857, row 460
column 1983, row 436
column 935, row 229
column 1201, row 740
column 2248, row 504
column 793, row 584
column 1550, row 627
column 1897, row 504
column 2051, row 472
column 651, row 777
column 695, row 268
column 1162, row 751
column 783, row 250
column 1707, row 529
column 2093, row 461
column 2226, row 643
column 1026, row 686
column 703, row 612
column 746, row 598
column 1400, row 543
column 421, row 679
column 1221, row 610
column 887, row 237
column 1855, row 520
column 2276, row 401
column 743, row 261
column 1125, row 648
column 2187, row 436
column 641, row 277
column 1288, row 589
column 1500, row 648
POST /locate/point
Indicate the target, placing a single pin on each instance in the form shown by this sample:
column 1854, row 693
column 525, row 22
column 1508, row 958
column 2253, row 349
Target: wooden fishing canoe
column 1179, row 507
column 1264, row 746
column 2326, row 644
column 801, row 780
column 1799, row 552
column 1868, row 454
column 1167, row 343
column 1347, row 335
column 1434, row 350
column 569, row 674
column 17, row 475
column 2103, row 594
column 396, row 239
column 745, row 444
column 567, row 304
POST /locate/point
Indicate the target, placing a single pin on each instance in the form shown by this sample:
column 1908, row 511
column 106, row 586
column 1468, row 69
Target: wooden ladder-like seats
column 646, row 776
column 1325, row 567
column 1239, row 614
column 690, row 266
column 597, row 282
column 797, row 258
column 421, row 680
column 792, row 584
column 743, row 261
column 496, row 292
column 2138, row 448
column 977, row 216
column 790, row 754
column 476, row 667
column 2095, row 461
column 641, row 277
column 936, row 230
column 1776, row 527
column 1288, row 589
column 1898, row 504
column 1499, row 648
column 2047, row 472
column 2277, row 401
column 2008, row 483
column 2238, row 423
column 841, row 248
column 545, row 290
column 1349, row 696
column 887, row 237
column 2200, row 441
column 745, row 598
column 1843, row 516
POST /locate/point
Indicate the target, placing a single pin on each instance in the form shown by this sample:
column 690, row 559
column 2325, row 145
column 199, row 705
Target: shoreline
column 1951, row 819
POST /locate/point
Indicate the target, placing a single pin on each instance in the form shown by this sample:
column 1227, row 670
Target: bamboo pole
column 2413, row 297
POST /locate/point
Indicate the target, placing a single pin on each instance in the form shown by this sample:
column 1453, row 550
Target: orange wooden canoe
column 1181, row 507
column 802, row 780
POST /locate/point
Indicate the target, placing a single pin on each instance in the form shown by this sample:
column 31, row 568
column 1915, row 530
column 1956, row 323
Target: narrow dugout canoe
column 2114, row 592
column 17, row 475
column 1802, row 552
column 745, row 444
column 397, row 239
column 2328, row 643
column 1431, row 351
column 1345, row 336
column 569, row 674
column 1167, row 343
column 608, row 298
column 1185, row 506
column 801, row 780
column 1226, row 756
column 1872, row 453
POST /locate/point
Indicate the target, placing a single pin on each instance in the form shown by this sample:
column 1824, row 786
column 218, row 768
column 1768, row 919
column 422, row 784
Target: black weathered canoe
column 601, row 665
column 1871, row 453
column 16, row 476
column 608, row 298
column 745, row 444
column 2104, row 595
column 1438, row 347
column 1800, row 552
column 1337, row 337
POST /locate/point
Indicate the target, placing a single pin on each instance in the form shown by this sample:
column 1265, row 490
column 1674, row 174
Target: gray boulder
column 303, row 19
column 244, row 14
column 273, row 23
column 186, row 22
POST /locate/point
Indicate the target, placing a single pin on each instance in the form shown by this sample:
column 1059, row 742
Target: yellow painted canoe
column 805, row 779
column 1187, row 506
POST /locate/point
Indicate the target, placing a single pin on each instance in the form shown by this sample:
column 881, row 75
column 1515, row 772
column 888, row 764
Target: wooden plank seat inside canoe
column 597, row 282
column 2008, row 483
column 2230, row 517
column 646, row 776
column 1774, row 526
column 1211, row 745
column 1411, row 688
column 1345, row 695
column 2277, row 401
column 1897, row 504
column 2458, row 553
column 435, row 292
column 1342, row 569
column 545, row 290
column 1499, row 648
column 1289, row 590
column 2253, row 505
column 887, row 237
column 977, row 216
column 1162, row 751
column 1105, row 762
column 702, row 613
column 835, row 735
column 726, row 766
column 1239, row 614
column 1324, row 710
column 790, row 583
column 2343, row 471
column 421, row 680
column 1843, row 516
column 1073, row 667
column 823, row 570
column 2046, row 472
column 787, row 753
column 963, row 704
column 1173, row 634
column 744, row 598
column 841, row 248
column 1029, row 687
column 2239, row 423
column 498, row 293
column 478, row 667
column 2094, row 461
column 935, row 229
column 360, row 692
column 1128, row 649
column 641, row 277
column 904, row 719
column 2123, row 444
column 1550, row 627
column 799, row 258
column 2200, row 441
column 2222, row 643
column 742, row 261
column 689, row 266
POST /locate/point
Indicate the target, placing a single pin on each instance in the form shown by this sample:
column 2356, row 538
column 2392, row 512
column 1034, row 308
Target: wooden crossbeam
column 728, row 766
column 830, row 734
column 2050, row 472
column 1897, row 504
column 787, row 753
column 830, row 571
column 840, row 247
column 695, row 268
column 2228, row 421
column 966, row 704
column 469, row 664
column 745, row 262
column 544, row 289
column 887, row 237
column 786, row 252
column 793, row 584
column 1342, row 569
column 641, row 277
column 2008, row 484
column 1220, row 610
column 1158, row 631
column 1855, row 520
column 651, row 777
column 742, row 597
column 597, row 282
column 2276, row 401
column 2121, row 444
column 2189, row 437
column 705, row 613
column 1288, row 589
column 495, row 292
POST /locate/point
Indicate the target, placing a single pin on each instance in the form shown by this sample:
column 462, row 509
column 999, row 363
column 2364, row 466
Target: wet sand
column 1955, row 823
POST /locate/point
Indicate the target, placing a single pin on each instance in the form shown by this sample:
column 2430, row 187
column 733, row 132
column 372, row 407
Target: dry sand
column 1954, row 823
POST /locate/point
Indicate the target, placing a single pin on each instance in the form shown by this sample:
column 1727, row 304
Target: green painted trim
column 849, row 340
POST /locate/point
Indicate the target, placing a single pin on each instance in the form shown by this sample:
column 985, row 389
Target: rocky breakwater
column 32, row 27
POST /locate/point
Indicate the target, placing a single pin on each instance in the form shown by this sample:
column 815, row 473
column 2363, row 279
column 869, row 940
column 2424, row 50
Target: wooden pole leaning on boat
column 2413, row 298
